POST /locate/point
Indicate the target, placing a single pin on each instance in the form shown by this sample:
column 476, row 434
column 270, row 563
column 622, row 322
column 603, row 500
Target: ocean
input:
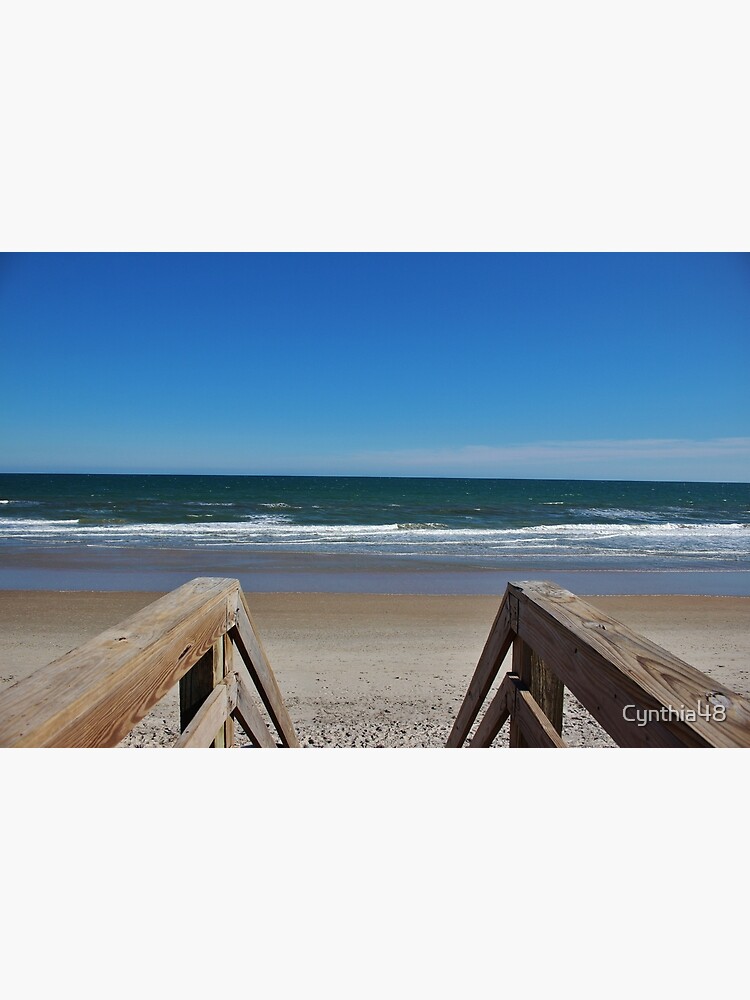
column 138, row 528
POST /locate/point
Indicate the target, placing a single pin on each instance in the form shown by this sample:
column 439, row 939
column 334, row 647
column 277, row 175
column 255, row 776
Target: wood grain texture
column 536, row 728
column 608, row 667
column 546, row 689
column 210, row 718
column 195, row 687
column 217, row 652
column 198, row 683
column 228, row 730
column 256, row 661
column 493, row 654
column 246, row 711
column 522, row 668
column 94, row 695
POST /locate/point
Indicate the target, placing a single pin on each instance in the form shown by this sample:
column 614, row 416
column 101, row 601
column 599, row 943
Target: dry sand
column 374, row 670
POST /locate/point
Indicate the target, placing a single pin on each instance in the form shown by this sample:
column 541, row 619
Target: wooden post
column 197, row 685
column 545, row 688
column 547, row 691
column 228, row 669
column 217, row 674
column 522, row 668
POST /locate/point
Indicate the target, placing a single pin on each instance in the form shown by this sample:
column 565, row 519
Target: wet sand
column 87, row 568
column 373, row 669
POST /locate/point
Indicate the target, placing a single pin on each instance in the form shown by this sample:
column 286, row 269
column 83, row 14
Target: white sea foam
column 205, row 503
column 584, row 540
column 429, row 526
column 23, row 524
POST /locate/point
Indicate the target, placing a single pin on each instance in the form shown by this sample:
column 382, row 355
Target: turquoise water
column 556, row 523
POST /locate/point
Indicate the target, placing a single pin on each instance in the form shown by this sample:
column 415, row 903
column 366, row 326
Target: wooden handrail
column 94, row 695
column 641, row 694
column 202, row 637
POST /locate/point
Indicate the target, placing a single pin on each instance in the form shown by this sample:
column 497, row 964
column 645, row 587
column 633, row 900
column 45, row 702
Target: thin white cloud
column 571, row 451
column 662, row 459
column 718, row 458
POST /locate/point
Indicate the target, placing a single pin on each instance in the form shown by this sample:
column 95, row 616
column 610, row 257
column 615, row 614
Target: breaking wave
column 675, row 540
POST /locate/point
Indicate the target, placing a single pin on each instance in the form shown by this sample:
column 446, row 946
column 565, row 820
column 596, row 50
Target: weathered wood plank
column 548, row 691
column 198, row 683
column 493, row 654
column 196, row 686
column 94, row 695
column 522, row 668
column 536, row 728
column 600, row 687
column 210, row 717
column 246, row 711
column 495, row 717
column 608, row 667
column 218, row 676
column 228, row 731
column 252, row 652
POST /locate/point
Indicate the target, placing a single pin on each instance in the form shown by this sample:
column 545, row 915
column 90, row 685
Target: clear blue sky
column 549, row 365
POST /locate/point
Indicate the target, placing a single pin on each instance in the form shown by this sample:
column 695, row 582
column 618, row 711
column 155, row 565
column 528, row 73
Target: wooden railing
column 200, row 636
column 638, row 692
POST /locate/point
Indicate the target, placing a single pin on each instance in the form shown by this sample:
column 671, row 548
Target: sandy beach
column 364, row 670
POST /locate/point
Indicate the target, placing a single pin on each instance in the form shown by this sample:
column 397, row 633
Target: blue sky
column 545, row 365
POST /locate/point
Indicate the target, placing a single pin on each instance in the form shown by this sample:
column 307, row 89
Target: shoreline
column 372, row 669
column 76, row 568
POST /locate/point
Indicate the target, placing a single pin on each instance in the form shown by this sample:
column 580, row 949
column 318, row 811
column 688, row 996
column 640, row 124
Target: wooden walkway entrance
column 201, row 637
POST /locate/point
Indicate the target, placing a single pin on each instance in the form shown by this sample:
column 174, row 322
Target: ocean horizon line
column 347, row 475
